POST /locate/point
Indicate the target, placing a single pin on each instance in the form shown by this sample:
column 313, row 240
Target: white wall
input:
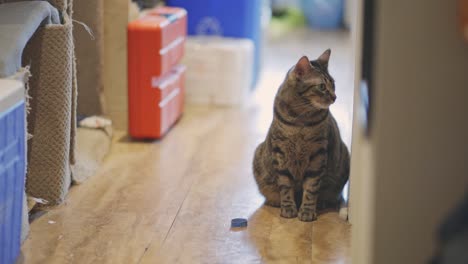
column 362, row 179
column 419, row 142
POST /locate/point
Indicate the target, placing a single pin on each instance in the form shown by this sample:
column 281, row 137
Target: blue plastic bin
column 12, row 172
column 324, row 14
column 237, row 19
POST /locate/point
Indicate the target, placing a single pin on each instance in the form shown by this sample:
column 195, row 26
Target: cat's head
column 311, row 81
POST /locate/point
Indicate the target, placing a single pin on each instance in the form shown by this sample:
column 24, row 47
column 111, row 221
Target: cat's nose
column 333, row 97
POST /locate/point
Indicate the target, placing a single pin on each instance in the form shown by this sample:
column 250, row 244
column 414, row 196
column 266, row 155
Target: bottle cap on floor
column 239, row 222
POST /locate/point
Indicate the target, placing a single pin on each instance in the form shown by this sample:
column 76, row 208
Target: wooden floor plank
column 171, row 201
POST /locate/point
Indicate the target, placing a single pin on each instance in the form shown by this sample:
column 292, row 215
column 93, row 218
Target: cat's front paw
column 307, row 215
column 289, row 211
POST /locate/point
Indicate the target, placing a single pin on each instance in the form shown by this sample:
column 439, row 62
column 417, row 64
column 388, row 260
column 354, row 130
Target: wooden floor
column 171, row 201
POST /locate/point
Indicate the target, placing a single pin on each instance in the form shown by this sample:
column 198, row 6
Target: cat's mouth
column 323, row 104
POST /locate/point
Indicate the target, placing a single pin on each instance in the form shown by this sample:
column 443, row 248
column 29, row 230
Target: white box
column 219, row 70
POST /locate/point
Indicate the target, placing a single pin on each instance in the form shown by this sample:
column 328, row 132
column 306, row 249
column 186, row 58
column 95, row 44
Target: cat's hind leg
column 269, row 191
column 268, row 188
column 272, row 196
column 266, row 183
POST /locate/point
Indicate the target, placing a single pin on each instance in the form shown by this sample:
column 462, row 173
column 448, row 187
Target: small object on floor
column 94, row 122
column 35, row 200
column 51, row 222
column 238, row 222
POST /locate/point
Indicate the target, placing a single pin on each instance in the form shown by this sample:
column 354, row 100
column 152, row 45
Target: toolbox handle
column 169, row 98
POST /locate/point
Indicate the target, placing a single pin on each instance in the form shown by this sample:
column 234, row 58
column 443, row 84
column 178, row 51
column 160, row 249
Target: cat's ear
column 302, row 67
column 324, row 58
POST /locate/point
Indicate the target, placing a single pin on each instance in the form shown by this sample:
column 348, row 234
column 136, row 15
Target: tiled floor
column 172, row 201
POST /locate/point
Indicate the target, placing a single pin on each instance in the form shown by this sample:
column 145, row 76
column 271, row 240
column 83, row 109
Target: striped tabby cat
column 303, row 165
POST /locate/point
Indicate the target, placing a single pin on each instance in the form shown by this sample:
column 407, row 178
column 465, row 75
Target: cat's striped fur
column 303, row 165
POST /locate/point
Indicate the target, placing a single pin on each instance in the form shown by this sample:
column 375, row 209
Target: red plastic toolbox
column 156, row 104
column 156, row 41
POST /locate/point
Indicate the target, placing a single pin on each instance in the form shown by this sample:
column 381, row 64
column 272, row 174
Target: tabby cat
column 303, row 165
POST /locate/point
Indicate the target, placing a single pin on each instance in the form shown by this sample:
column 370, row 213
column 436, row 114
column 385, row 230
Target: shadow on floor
column 281, row 240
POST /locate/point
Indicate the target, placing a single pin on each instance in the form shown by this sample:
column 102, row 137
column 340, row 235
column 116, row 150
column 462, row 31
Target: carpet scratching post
column 51, row 56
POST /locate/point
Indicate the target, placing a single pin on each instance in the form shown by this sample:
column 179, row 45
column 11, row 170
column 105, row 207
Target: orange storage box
column 155, row 107
column 155, row 80
column 156, row 41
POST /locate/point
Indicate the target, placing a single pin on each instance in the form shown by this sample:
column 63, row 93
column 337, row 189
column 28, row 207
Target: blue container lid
column 238, row 222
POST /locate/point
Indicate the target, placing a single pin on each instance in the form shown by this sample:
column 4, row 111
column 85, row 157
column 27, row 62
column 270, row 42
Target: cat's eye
column 321, row 87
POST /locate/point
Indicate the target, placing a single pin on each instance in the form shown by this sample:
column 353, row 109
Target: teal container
column 323, row 14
